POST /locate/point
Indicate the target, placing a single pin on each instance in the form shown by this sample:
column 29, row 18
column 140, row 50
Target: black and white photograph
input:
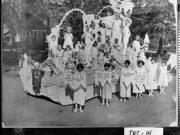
column 89, row 63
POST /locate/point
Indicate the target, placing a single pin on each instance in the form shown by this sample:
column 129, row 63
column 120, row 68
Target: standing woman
column 106, row 92
column 80, row 94
column 152, row 69
column 136, row 49
column 139, row 87
column 126, row 33
column 163, row 77
column 68, row 39
column 125, row 84
column 117, row 29
column 130, row 56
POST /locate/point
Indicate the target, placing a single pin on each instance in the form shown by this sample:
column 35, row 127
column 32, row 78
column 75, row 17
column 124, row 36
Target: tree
column 158, row 19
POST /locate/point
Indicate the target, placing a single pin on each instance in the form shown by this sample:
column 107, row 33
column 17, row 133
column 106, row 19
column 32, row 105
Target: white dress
column 126, row 34
column 136, row 47
column 68, row 37
column 152, row 76
column 125, row 84
column 80, row 96
column 163, row 76
column 117, row 31
column 140, row 86
column 88, row 49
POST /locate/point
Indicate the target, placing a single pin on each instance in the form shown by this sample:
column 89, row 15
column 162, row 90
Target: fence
column 32, row 34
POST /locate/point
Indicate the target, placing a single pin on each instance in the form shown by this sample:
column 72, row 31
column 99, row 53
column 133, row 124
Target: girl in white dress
column 139, row 87
column 106, row 91
column 152, row 76
column 163, row 77
column 125, row 84
column 80, row 94
column 68, row 39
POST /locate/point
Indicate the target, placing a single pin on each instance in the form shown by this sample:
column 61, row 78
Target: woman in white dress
column 68, row 39
column 139, row 85
column 80, row 94
column 163, row 77
column 126, row 33
column 117, row 29
column 125, row 84
column 152, row 76
column 106, row 91
column 131, row 57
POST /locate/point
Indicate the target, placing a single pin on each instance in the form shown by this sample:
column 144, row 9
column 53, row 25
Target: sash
column 103, row 77
column 75, row 81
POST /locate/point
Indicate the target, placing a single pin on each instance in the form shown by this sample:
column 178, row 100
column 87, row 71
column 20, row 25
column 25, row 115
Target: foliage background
column 43, row 14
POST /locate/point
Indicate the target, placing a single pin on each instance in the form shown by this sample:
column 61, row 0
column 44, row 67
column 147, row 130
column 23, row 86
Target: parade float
column 58, row 85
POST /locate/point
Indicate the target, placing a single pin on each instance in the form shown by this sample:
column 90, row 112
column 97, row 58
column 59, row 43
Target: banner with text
column 141, row 78
column 127, row 77
column 102, row 77
column 75, row 81
column 143, row 131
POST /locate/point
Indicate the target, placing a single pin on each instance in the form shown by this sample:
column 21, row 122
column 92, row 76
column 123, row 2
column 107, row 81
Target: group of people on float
column 109, row 40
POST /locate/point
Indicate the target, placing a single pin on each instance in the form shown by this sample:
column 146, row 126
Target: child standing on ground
column 163, row 77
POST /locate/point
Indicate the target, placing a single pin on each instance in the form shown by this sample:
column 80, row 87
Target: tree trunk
column 48, row 24
column 159, row 51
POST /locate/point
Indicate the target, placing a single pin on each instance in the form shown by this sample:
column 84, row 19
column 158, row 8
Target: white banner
column 143, row 131
column 87, row 19
column 75, row 80
column 127, row 77
column 141, row 78
column 103, row 77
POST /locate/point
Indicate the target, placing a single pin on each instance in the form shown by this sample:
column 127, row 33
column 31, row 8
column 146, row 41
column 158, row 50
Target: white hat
column 146, row 39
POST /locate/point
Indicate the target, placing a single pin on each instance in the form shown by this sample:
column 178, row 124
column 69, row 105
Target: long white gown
column 68, row 37
column 163, row 76
column 117, row 30
column 152, row 76
column 140, row 86
column 126, row 34
column 88, row 49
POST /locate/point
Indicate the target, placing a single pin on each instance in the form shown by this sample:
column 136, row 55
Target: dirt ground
column 21, row 109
